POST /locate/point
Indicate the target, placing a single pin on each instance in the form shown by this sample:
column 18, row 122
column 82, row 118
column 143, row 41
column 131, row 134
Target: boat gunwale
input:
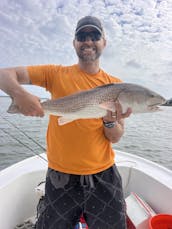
column 36, row 163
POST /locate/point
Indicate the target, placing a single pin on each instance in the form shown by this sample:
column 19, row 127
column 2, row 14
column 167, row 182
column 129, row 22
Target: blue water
column 147, row 135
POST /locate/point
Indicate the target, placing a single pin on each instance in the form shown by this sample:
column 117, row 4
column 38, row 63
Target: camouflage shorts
column 98, row 197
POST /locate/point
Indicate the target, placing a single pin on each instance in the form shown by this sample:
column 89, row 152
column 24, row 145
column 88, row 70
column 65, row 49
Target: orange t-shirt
column 79, row 147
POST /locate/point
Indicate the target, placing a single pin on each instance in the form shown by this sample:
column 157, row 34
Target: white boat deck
column 149, row 180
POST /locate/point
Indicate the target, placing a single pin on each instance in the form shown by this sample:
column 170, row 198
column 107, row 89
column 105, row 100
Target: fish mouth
column 155, row 106
column 167, row 103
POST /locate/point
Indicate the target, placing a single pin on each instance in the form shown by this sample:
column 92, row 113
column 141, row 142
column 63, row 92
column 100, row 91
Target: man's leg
column 60, row 207
column 105, row 206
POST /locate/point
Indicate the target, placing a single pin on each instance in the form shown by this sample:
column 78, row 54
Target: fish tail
column 13, row 108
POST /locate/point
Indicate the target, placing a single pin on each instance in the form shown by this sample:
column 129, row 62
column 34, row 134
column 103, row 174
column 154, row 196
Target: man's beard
column 88, row 57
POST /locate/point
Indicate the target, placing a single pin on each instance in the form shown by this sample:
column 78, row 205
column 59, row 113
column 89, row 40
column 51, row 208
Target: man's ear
column 105, row 42
column 74, row 43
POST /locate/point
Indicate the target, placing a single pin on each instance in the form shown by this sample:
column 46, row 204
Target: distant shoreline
column 168, row 103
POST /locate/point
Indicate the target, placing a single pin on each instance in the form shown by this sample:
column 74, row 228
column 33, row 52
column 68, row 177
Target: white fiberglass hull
column 18, row 199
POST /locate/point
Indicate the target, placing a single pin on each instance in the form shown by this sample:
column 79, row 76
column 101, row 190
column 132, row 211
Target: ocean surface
column 146, row 135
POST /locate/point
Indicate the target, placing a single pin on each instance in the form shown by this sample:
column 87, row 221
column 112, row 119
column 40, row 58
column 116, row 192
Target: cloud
column 139, row 36
column 133, row 64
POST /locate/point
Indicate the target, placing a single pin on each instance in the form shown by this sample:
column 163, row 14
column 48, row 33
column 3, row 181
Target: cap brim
column 85, row 26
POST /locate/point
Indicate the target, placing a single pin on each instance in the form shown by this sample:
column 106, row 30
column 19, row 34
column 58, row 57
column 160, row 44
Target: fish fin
column 13, row 108
column 64, row 120
column 108, row 106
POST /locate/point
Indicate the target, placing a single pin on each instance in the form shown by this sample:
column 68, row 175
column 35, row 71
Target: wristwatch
column 109, row 124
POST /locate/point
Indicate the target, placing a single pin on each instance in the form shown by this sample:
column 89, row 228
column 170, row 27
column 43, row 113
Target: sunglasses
column 94, row 36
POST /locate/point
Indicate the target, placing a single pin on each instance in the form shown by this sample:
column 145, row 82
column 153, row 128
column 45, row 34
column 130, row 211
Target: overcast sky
column 138, row 32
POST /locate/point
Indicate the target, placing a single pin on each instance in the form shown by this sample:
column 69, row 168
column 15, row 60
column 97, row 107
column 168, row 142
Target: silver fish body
column 94, row 103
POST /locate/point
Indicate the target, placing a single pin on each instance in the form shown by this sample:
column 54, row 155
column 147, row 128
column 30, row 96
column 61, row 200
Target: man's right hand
column 28, row 104
column 10, row 80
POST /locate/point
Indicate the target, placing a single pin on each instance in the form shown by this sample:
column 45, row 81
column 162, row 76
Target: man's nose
column 88, row 39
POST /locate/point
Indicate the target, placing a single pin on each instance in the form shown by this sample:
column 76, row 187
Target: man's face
column 89, row 44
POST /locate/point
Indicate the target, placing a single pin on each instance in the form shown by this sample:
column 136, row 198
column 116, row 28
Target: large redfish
column 95, row 102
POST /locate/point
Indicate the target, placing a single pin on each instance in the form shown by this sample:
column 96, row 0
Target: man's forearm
column 9, row 82
column 115, row 133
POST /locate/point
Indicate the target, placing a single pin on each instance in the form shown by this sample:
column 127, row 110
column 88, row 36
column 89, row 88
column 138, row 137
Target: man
column 82, row 178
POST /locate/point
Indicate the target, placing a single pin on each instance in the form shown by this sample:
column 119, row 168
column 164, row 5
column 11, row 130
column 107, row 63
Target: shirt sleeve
column 43, row 75
column 115, row 79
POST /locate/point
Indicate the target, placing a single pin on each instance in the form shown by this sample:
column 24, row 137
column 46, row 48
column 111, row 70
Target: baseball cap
column 89, row 21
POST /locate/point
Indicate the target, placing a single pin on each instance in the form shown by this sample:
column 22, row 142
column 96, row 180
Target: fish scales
column 95, row 102
column 82, row 99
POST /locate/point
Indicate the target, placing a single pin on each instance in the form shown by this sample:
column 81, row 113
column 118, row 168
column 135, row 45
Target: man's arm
column 10, row 82
column 114, row 134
